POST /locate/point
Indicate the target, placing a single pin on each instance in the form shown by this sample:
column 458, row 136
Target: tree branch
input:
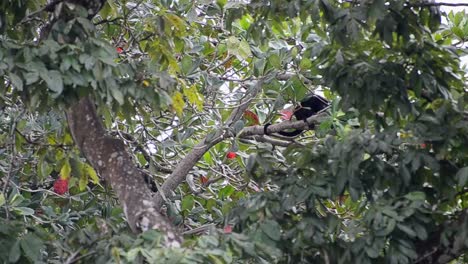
column 424, row 4
column 272, row 141
column 301, row 125
column 187, row 163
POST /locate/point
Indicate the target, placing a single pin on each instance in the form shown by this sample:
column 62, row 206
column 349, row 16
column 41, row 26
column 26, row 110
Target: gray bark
column 110, row 159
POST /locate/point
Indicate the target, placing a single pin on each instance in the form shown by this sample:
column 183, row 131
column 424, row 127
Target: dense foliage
column 382, row 179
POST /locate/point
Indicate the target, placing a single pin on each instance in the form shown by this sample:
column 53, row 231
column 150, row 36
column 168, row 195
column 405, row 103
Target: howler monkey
column 309, row 106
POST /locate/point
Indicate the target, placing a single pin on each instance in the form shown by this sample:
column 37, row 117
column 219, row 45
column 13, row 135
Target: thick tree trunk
column 110, row 159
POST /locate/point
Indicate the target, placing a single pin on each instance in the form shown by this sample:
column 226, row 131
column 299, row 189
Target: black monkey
column 309, row 106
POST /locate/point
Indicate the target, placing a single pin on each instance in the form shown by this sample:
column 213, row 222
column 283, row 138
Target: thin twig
column 12, row 159
column 435, row 4
column 108, row 21
column 29, row 141
column 71, row 259
column 199, row 229
column 49, row 7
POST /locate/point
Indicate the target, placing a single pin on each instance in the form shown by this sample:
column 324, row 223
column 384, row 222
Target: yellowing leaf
column 92, row 174
column 168, row 55
column 232, row 44
column 109, row 9
column 406, row 135
column 244, row 50
column 51, row 140
column 83, row 182
column 178, row 23
column 178, row 103
column 67, row 139
column 228, row 64
column 194, row 97
column 2, row 199
column 65, row 170
column 239, row 48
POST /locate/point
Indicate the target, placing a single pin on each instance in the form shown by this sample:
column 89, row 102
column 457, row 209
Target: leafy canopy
column 382, row 179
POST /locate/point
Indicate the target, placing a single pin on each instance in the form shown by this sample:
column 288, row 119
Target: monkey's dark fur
column 309, row 106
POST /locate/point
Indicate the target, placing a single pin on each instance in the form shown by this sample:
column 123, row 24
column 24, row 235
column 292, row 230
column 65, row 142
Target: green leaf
column 187, row 203
column 186, row 64
column 117, row 94
column 109, row 60
column 207, row 158
column 416, row 196
column 24, row 210
column 31, row 246
column 371, row 251
column 420, row 231
column 226, row 191
column 410, row 232
column 31, row 77
column 275, row 61
column 389, row 227
column 305, row 64
column 377, row 9
column 272, row 229
column 215, row 259
column 16, row 81
column 245, row 21
column 15, row 252
column 462, row 176
column 54, row 81
column 87, row 60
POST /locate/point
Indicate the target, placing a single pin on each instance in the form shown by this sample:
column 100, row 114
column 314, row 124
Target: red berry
column 119, row 50
column 227, row 229
column 61, row 186
column 231, row 155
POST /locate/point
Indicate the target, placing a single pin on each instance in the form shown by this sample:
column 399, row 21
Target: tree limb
column 436, row 4
column 187, row 163
column 301, row 125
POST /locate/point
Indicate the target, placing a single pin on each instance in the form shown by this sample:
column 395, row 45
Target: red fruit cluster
column 61, row 186
column 231, row 155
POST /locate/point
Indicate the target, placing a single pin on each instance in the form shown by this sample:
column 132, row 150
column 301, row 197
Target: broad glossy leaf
column 54, row 81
